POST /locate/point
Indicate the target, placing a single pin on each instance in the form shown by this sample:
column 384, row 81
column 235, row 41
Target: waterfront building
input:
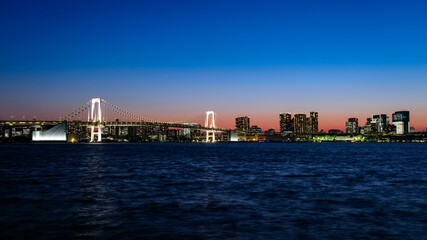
column 300, row 124
column 401, row 121
column 390, row 128
column 270, row 132
column 190, row 133
column 255, row 131
column 313, row 123
column 242, row 124
column 381, row 122
column 361, row 130
column 352, row 126
column 286, row 123
column 368, row 126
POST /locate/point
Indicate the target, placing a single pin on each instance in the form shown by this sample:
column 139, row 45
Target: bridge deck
column 109, row 124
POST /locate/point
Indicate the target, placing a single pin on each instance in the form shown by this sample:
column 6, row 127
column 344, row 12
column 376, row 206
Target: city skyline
column 173, row 60
column 287, row 121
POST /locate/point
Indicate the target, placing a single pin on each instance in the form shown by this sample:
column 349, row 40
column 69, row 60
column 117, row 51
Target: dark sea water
column 213, row 191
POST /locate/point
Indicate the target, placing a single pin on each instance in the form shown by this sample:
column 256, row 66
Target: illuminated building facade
column 255, row 131
column 381, row 122
column 313, row 123
column 368, row 127
column 242, row 124
column 300, row 124
column 401, row 122
column 286, row 123
column 352, row 126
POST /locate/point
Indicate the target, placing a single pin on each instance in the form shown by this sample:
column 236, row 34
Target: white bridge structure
column 97, row 120
column 210, row 134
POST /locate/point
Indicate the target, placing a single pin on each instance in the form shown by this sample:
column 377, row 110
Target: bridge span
column 98, row 110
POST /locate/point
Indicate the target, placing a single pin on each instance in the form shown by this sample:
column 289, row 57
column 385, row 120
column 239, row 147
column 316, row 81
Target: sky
column 176, row 59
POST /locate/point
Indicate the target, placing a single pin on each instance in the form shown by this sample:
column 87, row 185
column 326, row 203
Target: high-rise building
column 352, row 126
column 313, row 123
column 368, row 126
column 381, row 122
column 307, row 125
column 300, row 124
column 242, row 124
column 401, row 121
column 286, row 123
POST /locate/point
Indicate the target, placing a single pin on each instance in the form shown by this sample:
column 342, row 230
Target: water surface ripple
column 213, row 191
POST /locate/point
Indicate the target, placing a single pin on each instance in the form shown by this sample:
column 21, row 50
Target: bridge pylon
column 210, row 123
column 96, row 118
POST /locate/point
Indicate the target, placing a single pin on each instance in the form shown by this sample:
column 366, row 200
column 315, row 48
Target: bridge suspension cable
column 128, row 114
column 195, row 119
column 220, row 123
column 199, row 119
column 121, row 111
column 76, row 112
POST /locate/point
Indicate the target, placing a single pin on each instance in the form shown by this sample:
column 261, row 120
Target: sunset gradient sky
column 175, row 59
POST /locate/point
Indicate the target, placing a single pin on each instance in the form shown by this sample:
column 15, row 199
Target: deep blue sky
column 63, row 53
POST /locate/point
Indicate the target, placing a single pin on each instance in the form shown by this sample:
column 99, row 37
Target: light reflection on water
column 94, row 190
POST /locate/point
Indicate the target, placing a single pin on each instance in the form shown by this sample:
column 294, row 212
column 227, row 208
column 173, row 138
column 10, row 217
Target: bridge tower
column 96, row 118
column 210, row 123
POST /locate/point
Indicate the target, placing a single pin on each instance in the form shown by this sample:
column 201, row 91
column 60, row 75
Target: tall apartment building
column 242, row 124
column 300, row 124
column 381, row 122
column 313, row 123
column 352, row 126
column 286, row 123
